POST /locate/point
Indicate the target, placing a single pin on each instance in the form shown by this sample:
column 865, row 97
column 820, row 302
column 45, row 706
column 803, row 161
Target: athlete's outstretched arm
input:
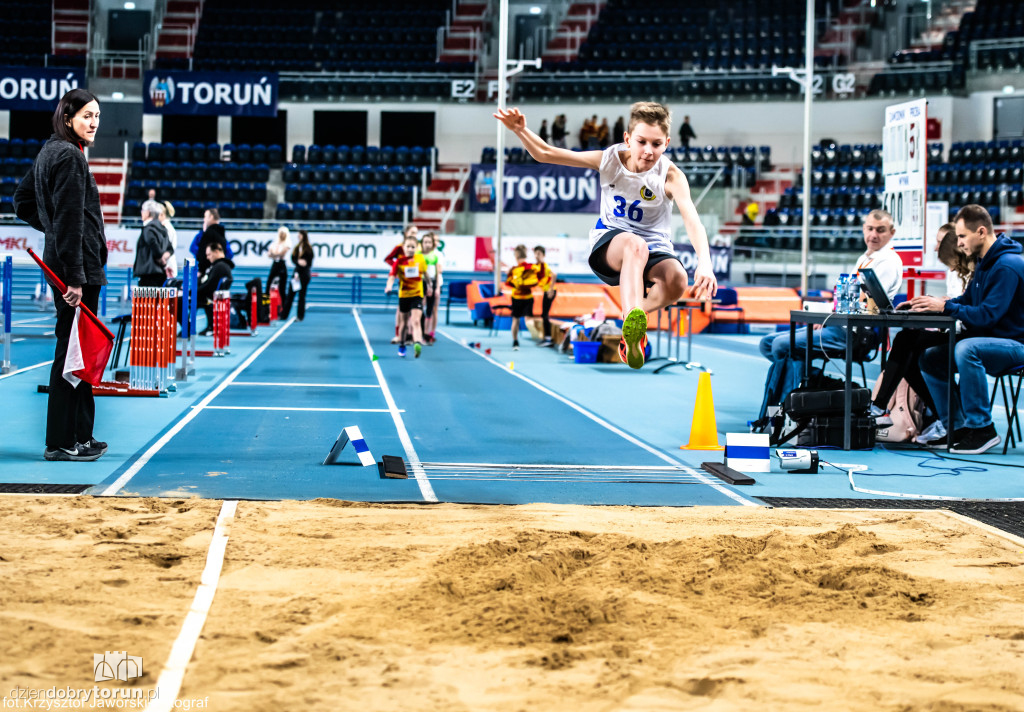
column 540, row 149
column 704, row 283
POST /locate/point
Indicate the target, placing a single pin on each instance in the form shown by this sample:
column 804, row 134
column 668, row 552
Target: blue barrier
column 8, row 286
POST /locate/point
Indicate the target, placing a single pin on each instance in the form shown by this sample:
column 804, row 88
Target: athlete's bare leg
column 670, row 283
column 627, row 254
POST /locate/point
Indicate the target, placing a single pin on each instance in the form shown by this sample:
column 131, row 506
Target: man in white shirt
column 786, row 369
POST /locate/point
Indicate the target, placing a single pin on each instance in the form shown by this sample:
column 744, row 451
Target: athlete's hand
column 705, row 285
column 512, row 118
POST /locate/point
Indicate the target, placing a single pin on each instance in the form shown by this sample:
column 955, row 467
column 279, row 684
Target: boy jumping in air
column 631, row 244
column 410, row 268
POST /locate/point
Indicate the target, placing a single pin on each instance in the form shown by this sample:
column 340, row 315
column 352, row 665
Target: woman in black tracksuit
column 59, row 198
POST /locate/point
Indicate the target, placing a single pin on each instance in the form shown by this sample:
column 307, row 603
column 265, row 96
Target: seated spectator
column 786, row 369
column 909, row 344
column 993, row 336
column 217, row 277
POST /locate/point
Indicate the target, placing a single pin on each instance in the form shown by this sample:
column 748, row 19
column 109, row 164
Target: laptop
column 871, row 285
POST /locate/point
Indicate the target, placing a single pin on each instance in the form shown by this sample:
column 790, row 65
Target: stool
column 1009, row 401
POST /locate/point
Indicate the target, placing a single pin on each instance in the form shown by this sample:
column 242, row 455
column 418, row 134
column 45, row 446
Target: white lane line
column 532, row 465
column 27, row 368
column 306, row 385
column 314, row 410
column 604, row 423
column 29, row 321
column 168, row 685
column 121, row 481
column 410, row 453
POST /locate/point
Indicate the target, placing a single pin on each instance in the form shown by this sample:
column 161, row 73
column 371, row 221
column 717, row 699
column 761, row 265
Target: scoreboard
column 905, row 168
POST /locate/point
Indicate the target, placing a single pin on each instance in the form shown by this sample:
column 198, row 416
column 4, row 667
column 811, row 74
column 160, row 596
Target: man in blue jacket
column 993, row 336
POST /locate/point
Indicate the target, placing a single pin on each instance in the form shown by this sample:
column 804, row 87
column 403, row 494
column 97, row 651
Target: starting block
column 352, row 435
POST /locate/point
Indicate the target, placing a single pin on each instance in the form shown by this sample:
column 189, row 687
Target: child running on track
column 396, row 252
column 410, row 268
column 631, row 244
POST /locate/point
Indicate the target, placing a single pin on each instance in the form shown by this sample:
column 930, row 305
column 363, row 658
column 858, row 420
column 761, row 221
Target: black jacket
column 211, row 280
column 299, row 253
column 152, row 244
column 58, row 197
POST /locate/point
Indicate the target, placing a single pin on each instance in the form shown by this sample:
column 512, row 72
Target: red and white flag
column 88, row 352
column 91, row 341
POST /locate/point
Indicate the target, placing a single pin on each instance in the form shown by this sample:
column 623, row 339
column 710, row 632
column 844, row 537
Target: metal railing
column 986, row 45
column 65, row 25
column 119, row 62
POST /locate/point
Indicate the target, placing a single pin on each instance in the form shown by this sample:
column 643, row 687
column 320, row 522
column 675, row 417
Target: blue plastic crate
column 585, row 351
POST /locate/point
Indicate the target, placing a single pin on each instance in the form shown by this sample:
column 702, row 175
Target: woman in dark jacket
column 59, row 198
column 302, row 256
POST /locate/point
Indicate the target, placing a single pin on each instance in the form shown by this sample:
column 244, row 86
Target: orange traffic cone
column 703, row 429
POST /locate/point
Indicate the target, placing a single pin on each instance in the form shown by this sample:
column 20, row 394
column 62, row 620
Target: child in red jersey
column 410, row 268
column 396, row 252
column 522, row 278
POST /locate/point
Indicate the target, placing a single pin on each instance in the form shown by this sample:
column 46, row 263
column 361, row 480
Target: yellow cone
column 703, row 429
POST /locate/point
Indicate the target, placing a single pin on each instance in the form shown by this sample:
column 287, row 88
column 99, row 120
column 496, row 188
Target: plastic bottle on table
column 853, row 294
column 839, row 294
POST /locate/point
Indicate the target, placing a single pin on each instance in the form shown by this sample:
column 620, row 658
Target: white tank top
column 635, row 202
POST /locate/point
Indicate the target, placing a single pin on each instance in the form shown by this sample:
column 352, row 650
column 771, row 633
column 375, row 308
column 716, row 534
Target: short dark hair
column 541, row 248
column 974, row 216
column 69, row 105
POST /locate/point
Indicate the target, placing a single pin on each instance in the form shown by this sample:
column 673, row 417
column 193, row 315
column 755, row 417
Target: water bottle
column 839, row 294
column 853, row 295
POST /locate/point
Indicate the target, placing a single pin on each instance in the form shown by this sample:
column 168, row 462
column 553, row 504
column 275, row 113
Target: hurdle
column 6, row 287
column 221, row 323
column 151, row 350
column 43, row 297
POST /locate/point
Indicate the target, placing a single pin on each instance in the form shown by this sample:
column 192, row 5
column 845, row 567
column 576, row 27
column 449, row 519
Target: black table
column 884, row 322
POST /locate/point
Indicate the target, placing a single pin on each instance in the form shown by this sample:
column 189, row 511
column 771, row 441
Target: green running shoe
column 634, row 329
column 417, row 348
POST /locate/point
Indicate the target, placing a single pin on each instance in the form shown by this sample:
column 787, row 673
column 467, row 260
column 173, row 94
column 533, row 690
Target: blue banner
column 37, row 88
column 537, row 188
column 721, row 261
column 210, row 93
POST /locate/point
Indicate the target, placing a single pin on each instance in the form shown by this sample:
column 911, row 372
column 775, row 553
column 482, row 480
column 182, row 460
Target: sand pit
column 324, row 606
